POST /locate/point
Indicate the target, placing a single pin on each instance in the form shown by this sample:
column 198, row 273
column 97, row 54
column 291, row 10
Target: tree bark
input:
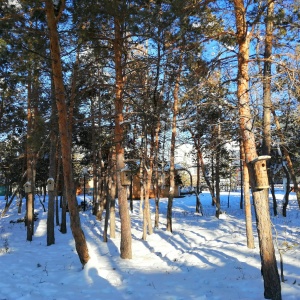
column 287, row 190
column 58, row 159
column 218, row 154
column 267, row 104
column 65, row 135
column 202, row 166
column 173, row 142
column 272, row 287
column 126, row 239
column 51, row 194
column 112, row 209
column 267, row 80
column 286, row 155
column 52, row 172
column 248, row 213
column 30, row 159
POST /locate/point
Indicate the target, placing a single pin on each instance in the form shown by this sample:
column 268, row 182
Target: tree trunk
column 146, row 212
column 287, row 156
column 108, row 184
column 267, row 104
column 248, row 213
column 202, row 166
column 14, row 195
column 173, row 141
column 94, row 155
column 65, row 135
column 57, row 186
column 157, row 186
column 272, row 288
column 273, row 195
column 63, row 224
column 112, row 210
column 126, row 239
column 142, row 177
column 51, row 194
column 287, row 190
column 29, row 156
column 218, row 154
column 52, row 173
column 267, row 80
column 156, row 223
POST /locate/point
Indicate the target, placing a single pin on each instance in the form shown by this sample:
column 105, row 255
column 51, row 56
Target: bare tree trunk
column 267, row 104
column 173, row 141
column 52, row 172
column 94, row 155
column 112, row 210
column 51, row 194
column 267, row 80
column 8, row 204
column 287, row 190
column 64, row 133
column 272, row 287
column 273, row 195
column 108, row 184
column 202, row 166
column 126, row 239
column 242, row 163
column 218, row 154
column 29, row 156
column 57, row 186
column 63, row 201
column 99, row 205
column 146, row 212
column 149, row 171
column 142, row 177
column 156, row 222
column 287, row 156
column 248, row 213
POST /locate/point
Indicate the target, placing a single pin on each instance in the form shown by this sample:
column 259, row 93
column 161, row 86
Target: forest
column 107, row 89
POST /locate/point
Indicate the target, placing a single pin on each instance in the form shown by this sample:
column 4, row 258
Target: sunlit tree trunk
column 272, row 287
column 80, row 242
column 146, row 212
column 126, row 239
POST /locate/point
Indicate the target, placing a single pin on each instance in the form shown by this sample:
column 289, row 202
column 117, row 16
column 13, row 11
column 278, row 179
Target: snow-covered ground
column 204, row 258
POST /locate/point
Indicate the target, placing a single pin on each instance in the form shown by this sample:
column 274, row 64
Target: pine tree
column 64, row 133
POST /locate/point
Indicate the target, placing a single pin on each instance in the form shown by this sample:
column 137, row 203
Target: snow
column 204, row 258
